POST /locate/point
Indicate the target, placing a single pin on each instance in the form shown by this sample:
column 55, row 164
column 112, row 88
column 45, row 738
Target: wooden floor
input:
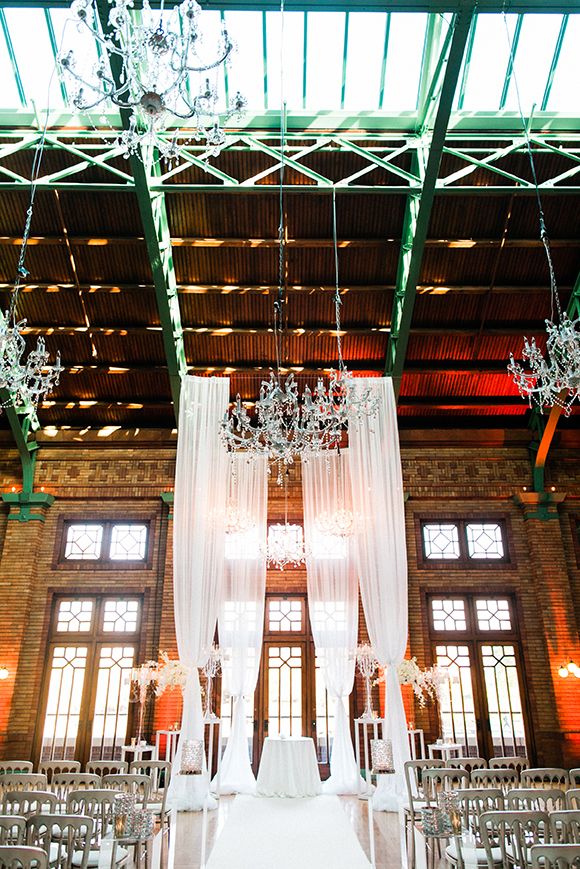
column 185, row 847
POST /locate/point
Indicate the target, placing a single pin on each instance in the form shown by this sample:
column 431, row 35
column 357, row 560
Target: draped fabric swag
column 241, row 615
column 198, row 556
column 332, row 602
column 381, row 558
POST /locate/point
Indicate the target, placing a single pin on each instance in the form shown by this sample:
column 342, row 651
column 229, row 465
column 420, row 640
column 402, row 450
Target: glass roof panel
column 34, row 56
column 364, row 62
column 324, row 55
column 489, row 62
column 406, row 38
column 534, row 53
column 565, row 93
column 293, row 59
column 246, row 70
column 9, row 89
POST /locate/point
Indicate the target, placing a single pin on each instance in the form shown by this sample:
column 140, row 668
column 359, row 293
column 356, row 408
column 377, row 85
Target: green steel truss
column 474, row 150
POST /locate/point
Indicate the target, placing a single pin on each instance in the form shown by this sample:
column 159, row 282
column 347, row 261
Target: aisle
column 289, row 834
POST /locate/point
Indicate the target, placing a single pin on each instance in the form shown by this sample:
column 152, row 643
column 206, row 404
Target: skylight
column 335, row 61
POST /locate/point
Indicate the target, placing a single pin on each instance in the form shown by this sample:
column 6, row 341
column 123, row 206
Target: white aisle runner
column 310, row 833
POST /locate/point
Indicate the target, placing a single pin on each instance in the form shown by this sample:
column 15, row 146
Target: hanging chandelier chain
column 337, row 299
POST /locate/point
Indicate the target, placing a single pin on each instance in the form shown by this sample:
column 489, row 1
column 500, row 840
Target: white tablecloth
column 288, row 768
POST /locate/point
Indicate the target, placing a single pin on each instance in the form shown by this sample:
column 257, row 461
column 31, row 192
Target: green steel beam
column 510, row 65
column 467, row 63
column 304, row 61
column 384, row 60
column 419, row 205
column 344, row 60
column 265, row 57
column 158, row 241
column 54, row 48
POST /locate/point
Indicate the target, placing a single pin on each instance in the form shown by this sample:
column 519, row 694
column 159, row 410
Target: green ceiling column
column 419, row 203
column 158, row 241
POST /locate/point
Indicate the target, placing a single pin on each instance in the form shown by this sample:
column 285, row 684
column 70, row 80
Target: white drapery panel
column 381, row 555
column 198, row 555
column 332, row 601
column 241, row 616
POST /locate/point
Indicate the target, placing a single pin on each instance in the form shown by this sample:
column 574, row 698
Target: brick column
column 18, row 589
column 558, row 737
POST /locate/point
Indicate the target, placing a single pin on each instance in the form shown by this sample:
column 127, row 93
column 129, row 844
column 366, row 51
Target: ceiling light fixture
column 163, row 78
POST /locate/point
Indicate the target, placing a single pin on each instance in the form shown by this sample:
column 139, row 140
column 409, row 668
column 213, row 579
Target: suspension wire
column 337, row 299
column 280, row 299
column 554, row 295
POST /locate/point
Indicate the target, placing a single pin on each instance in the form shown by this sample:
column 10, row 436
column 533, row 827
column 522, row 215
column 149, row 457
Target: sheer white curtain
column 198, row 555
column 241, row 616
column 332, row 602
column 381, row 554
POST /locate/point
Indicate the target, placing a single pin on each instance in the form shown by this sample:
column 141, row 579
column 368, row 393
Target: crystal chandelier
column 157, row 53
column 27, row 379
column 552, row 380
column 237, row 520
column 337, row 524
column 285, row 546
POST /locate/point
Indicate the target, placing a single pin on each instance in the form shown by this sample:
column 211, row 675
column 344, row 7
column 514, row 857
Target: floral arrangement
column 426, row 684
column 170, row 674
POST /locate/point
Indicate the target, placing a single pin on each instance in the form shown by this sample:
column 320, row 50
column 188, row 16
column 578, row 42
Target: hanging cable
column 280, row 299
column 337, row 299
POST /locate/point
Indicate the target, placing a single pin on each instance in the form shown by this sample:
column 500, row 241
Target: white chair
column 535, row 799
column 514, row 833
column 558, row 856
column 65, row 782
column 415, row 800
column 573, row 798
column 27, row 803
column 22, row 857
column 107, row 767
column 98, row 805
column 473, row 802
column 468, row 763
column 565, row 827
column 54, row 767
column 12, row 830
column 504, row 779
column 545, row 777
column 515, row 762
column 15, row 767
column 65, row 838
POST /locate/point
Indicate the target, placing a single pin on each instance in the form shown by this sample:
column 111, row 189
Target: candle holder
column 211, row 669
column 382, row 757
column 123, row 815
column 143, row 679
column 192, row 757
column 367, row 664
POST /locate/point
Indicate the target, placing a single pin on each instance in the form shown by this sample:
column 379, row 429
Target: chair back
column 64, row 837
column 54, row 767
column 13, row 767
column 27, row 781
column 557, row 856
column 159, row 771
column 473, row 802
column 106, row 767
column 545, row 777
column 535, row 799
column 95, row 804
column 468, row 763
column 22, row 857
column 504, row 779
column 575, row 777
column 515, row 762
column 514, row 833
column 443, row 779
column 413, row 777
column 12, row 830
column 133, row 783
column 65, row 782
column 27, row 803
column 573, row 798
column 565, row 826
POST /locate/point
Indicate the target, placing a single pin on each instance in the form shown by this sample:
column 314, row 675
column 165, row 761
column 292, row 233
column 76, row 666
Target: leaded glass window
column 441, row 540
column 448, row 614
column 83, row 542
column 74, row 616
column 120, row 616
column 128, row 542
column 484, row 540
column 493, row 615
column 285, row 615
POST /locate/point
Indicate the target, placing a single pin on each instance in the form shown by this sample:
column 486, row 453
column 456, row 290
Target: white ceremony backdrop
column 201, row 478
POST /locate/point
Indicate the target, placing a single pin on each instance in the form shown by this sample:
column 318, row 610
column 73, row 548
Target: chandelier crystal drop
column 237, row 520
column 163, row 79
column 26, row 378
column 553, row 380
column 285, row 547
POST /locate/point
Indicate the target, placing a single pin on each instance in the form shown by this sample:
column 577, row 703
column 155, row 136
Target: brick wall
column 461, row 475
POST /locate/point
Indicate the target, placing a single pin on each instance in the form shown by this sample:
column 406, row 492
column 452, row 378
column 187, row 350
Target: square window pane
column 484, row 540
column 74, row 616
column 449, row 615
column 121, row 616
column 441, row 540
column 129, row 542
column 493, row 615
column 83, row 542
